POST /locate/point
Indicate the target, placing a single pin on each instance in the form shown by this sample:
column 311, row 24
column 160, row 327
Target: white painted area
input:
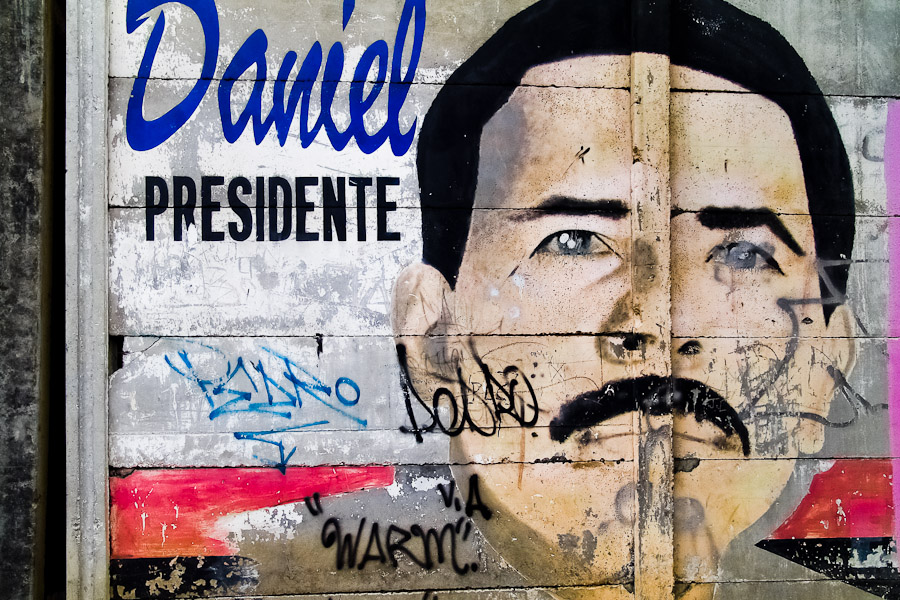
column 840, row 514
column 428, row 483
column 387, row 447
column 279, row 521
column 167, row 287
column 877, row 559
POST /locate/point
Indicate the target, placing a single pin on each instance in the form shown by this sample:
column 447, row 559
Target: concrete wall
column 27, row 190
column 303, row 406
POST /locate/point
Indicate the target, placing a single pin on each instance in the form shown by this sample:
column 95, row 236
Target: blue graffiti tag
column 145, row 134
column 246, row 387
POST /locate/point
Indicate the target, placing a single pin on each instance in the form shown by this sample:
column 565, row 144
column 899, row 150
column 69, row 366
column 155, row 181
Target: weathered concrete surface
column 280, row 288
column 449, row 40
column 336, row 288
column 162, row 417
column 22, row 226
column 850, row 46
column 87, row 562
column 656, row 506
column 288, row 543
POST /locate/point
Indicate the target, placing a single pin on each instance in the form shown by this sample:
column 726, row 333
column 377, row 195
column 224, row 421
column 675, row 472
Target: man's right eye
column 574, row 242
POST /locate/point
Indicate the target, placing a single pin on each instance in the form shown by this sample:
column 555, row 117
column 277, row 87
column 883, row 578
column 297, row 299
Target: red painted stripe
column 173, row 512
column 854, row 498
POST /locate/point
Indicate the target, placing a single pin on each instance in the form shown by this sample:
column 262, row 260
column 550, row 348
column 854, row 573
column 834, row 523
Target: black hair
column 706, row 35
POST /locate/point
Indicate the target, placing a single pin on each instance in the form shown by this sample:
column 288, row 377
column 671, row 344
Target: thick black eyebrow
column 715, row 217
column 568, row 205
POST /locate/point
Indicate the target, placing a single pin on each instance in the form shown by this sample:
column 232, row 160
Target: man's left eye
column 573, row 242
column 743, row 256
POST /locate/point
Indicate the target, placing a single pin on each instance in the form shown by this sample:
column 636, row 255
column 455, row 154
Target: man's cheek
column 802, row 396
column 582, row 297
column 744, row 370
column 715, row 500
column 748, row 308
column 779, row 387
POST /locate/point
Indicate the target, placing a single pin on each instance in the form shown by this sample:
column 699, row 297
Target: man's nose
column 625, row 347
column 635, row 331
column 635, row 342
column 619, row 340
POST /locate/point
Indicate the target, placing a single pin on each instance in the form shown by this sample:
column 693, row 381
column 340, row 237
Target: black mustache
column 651, row 395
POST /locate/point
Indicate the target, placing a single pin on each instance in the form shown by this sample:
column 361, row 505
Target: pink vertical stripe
column 892, row 179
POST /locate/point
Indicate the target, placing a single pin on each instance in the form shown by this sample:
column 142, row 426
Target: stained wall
column 570, row 323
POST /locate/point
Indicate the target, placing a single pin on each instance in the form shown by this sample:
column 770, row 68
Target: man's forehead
column 574, row 139
column 735, row 148
column 609, row 71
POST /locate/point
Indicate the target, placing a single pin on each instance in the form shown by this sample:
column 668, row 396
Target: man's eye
column 573, row 242
column 743, row 256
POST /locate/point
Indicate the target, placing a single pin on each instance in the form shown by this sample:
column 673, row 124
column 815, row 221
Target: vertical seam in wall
column 45, row 273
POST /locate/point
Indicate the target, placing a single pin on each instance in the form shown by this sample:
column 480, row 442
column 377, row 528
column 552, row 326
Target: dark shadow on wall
column 54, row 265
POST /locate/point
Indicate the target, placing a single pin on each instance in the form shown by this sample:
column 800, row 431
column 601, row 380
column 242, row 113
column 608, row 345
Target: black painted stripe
column 182, row 576
column 836, row 557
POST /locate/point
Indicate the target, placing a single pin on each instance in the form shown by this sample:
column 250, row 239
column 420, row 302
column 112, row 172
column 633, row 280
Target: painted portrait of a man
column 537, row 269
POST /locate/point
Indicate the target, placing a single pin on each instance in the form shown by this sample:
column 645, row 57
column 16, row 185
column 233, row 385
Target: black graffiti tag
column 496, row 400
column 426, row 548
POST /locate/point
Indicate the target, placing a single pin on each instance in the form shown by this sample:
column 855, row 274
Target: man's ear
column 838, row 351
column 421, row 318
column 419, row 302
column 841, row 336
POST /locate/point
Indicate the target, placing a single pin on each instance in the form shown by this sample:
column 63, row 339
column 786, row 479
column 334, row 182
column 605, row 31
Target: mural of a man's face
column 553, row 280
